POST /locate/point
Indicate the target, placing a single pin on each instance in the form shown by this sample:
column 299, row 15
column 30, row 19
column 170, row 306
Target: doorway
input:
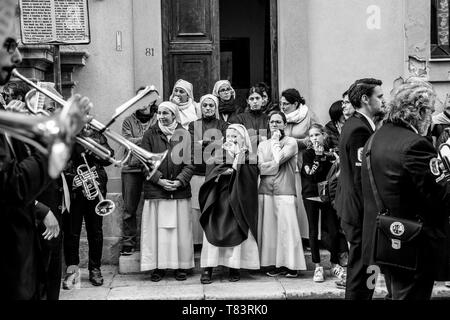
column 208, row 40
column 245, row 43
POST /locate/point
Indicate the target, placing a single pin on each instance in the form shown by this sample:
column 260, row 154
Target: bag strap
column 381, row 208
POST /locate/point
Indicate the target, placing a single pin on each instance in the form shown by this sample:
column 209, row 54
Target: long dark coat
column 22, row 178
column 229, row 204
column 407, row 188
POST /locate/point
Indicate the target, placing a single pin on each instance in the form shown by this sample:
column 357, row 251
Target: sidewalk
column 252, row 286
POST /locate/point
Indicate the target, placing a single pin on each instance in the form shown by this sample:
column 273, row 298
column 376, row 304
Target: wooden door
column 191, row 44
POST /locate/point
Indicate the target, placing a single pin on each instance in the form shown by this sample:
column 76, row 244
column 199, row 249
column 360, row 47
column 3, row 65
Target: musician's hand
column 16, row 106
column 52, row 226
column 78, row 114
column 227, row 172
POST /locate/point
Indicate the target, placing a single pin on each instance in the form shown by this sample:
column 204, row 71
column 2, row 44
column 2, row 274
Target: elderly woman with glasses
column 203, row 132
column 228, row 106
column 166, row 228
column 229, row 204
column 183, row 97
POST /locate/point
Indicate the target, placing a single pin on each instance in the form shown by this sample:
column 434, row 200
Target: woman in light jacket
column 279, row 238
column 299, row 119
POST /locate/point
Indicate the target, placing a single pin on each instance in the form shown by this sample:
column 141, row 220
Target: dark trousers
column 51, row 254
column 409, row 285
column 82, row 208
column 331, row 225
column 132, row 183
column 356, row 285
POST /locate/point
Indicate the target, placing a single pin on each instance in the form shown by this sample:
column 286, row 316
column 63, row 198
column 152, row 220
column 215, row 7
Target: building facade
column 317, row 46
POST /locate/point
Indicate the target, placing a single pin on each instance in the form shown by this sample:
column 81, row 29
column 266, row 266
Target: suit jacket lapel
column 364, row 120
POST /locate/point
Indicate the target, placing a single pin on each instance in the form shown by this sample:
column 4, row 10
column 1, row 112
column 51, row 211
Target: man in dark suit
column 400, row 162
column 366, row 96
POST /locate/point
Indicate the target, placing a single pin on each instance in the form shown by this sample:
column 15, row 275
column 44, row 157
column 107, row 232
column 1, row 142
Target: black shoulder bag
column 396, row 239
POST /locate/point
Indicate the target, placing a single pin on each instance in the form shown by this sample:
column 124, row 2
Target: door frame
column 274, row 48
column 273, row 25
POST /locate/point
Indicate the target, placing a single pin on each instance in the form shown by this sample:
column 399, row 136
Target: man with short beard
column 366, row 96
column 400, row 159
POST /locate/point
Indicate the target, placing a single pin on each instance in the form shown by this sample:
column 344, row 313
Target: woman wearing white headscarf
column 166, row 227
column 227, row 100
column 183, row 97
column 204, row 131
column 229, row 204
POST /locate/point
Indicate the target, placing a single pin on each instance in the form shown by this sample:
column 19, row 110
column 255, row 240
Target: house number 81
column 150, row 52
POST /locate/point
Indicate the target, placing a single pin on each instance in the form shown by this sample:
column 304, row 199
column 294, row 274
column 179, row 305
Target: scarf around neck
column 227, row 106
column 168, row 130
column 298, row 115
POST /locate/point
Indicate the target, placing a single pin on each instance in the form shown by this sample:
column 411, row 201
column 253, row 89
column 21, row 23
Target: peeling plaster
column 397, row 83
column 418, row 67
column 417, row 29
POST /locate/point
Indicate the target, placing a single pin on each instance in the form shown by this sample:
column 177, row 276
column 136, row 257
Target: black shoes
column 206, row 277
column 234, row 275
column 283, row 271
column 180, row 275
column 95, row 277
column 157, row 275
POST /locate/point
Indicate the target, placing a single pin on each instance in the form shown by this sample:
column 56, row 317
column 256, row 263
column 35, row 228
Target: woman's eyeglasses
column 10, row 45
column 224, row 90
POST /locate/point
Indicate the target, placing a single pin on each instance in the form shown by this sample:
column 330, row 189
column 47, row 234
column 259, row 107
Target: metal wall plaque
column 54, row 21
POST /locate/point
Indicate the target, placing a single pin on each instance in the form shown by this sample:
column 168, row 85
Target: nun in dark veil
column 229, row 208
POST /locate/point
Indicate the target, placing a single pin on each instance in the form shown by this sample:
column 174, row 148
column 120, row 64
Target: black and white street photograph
column 227, row 158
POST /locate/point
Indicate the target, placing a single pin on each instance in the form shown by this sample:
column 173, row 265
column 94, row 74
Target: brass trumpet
column 51, row 136
column 87, row 178
column 151, row 161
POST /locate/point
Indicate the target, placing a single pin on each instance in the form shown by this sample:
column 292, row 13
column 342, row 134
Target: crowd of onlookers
column 247, row 191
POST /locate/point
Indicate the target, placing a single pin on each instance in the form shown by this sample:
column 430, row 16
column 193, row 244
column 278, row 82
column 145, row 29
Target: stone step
column 253, row 286
column 131, row 264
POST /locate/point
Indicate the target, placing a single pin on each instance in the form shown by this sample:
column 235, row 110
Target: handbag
column 396, row 242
